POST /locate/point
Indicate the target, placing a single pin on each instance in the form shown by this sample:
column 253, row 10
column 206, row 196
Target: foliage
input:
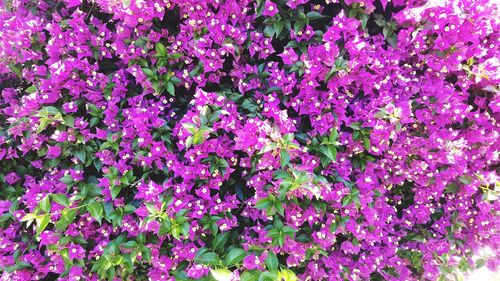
column 248, row 140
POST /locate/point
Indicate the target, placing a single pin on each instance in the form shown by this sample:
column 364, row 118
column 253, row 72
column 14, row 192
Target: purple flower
column 53, row 152
column 12, row 178
column 197, row 271
column 76, row 251
column 270, row 9
column 75, row 273
column 251, row 262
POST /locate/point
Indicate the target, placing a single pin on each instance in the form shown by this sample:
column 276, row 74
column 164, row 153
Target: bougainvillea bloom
column 248, row 139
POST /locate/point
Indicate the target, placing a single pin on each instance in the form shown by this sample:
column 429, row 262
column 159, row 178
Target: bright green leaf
column 96, row 211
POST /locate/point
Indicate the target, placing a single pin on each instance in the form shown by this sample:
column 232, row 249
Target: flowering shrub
column 248, row 140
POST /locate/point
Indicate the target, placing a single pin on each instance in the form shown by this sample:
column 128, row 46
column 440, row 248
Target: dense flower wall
column 248, row 140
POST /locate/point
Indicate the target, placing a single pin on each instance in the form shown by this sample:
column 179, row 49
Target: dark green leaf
column 170, row 88
column 115, row 190
column 148, row 72
column 208, row 258
column 314, row 15
column 235, row 256
column 67, row 179
column 329, row 151
column 278, row 27
column 69, row 121
column 284, row 158
column 272, row 261
column 220, row 240
column 81, row 154
column 263, row 203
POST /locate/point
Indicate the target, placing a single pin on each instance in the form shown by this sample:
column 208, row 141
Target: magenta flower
column 53, row 152
column 251, row 262
column 270, row 9
column 76, row 251
column 321, row 140
column 12, row 178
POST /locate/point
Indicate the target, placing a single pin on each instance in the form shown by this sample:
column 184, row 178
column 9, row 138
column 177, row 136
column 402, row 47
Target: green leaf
column 465, row 179
column 115, row 190
column 263, row 203
column 31, row 89
column 208, row 258
column 47, row 111
column 164, row 227
column 353, row 196
column 190, row 127
column 393, row 41
column 329, row 151
column 221, row 274
column 364, row 20
column 18, row 266
column 67, row 179
column 278, row 27
column 94, row 121
column 67, row 217
column 387, row 31
column 200, row 136
column 314, row 15
column 81, row 154
column 250, row 275
column 288, row 275
column 96, row 211
column 249, row 105
column 279, row 208
column 220, row 240
column 268, row 147
column 268, row 276
column 272, row 261
column 298, row 26
column 69, row 121
column 379, row 20
column 41, row 223
column 29, row 218
column 45, row 204
column 451, row 188
column 287, row 230
column 170, row 88
column 44, row 122
column 260, row 8
column 130, row 245
column 269, row 31
column 480, row 263
column 148, row 72
column 161, row 50
column 234, row 256
column 366, row 143
column 189, row 141
column 110, row 273
column 284, row 158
